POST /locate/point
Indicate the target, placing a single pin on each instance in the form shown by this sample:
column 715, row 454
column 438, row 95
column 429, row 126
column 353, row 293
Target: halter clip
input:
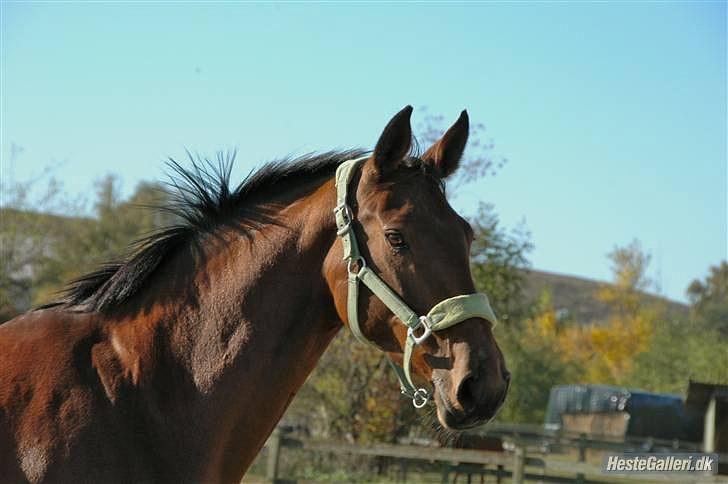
column 420, row 398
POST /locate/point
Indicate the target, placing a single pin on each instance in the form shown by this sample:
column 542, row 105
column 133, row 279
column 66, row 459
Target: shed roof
column 699, row 393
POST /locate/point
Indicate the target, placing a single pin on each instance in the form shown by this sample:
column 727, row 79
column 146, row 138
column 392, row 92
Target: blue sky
column 612, row 115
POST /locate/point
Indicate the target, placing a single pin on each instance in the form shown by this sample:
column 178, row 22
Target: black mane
column 203, row 201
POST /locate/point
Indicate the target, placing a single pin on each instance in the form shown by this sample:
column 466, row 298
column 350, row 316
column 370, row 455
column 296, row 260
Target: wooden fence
column 520, row 462
column 536, row 435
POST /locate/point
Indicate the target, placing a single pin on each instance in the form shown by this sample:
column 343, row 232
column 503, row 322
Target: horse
column 175, row 362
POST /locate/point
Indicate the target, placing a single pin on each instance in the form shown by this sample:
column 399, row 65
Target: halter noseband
column 444, row 314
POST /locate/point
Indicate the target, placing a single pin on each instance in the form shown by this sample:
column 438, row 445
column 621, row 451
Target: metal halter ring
column 420, row 398
column 360, row 260
column 424, row 321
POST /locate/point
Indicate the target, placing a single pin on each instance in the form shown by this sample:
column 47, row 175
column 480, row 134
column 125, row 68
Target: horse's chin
column 448, row 417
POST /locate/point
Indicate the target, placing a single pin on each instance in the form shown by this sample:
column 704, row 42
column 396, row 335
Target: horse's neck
column 262, row 318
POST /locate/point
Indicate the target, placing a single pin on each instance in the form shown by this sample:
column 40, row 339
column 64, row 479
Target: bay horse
column 175, row 363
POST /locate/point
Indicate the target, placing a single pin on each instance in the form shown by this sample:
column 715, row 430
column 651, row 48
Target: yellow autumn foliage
column 604, row 351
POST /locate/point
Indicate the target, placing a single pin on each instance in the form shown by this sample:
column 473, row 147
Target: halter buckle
column 345, row 212
column 423, row 321
column 420, row 398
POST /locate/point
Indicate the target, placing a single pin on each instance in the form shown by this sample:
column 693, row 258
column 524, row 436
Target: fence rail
column 517, row 463
column 526, row 432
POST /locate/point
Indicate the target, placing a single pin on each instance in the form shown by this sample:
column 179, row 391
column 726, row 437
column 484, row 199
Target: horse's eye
column 395, row 239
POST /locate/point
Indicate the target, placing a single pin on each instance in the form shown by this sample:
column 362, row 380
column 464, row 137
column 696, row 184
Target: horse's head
column 411, row 237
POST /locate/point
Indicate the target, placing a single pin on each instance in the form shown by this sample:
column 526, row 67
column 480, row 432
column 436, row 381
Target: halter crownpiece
column 444, row 314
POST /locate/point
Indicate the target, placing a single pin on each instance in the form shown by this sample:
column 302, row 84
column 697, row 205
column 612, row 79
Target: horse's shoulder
column 47, row 390
column 46, row 356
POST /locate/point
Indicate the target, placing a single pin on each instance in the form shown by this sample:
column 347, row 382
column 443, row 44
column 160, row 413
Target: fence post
column 582, row 456
column 519, row 462
column 274, row 450
column 499, row 473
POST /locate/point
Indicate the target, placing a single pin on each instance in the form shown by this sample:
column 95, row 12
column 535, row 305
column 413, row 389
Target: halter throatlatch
column 444, row 314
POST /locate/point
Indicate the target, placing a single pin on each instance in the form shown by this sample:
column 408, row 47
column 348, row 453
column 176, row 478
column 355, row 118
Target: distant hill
column 577, row 296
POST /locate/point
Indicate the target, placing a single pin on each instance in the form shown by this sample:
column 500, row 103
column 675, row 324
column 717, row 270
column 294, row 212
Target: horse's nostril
column 507, row 376
column 467, row 395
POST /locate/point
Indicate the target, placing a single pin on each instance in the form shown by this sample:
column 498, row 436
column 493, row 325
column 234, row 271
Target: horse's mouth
column 456, row 419
column 450, row 417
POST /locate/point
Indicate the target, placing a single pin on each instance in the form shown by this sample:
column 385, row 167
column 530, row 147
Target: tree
column 499, row 259
column 41, row 251
column 709, row 300
column 480, row 160
column 352, row 394
column 535, row 360
column 547, row 349
column 27, row 236
column 607, row 349
column 629, row 272
column 678, row 353
column 690, row 350
column 116, row 224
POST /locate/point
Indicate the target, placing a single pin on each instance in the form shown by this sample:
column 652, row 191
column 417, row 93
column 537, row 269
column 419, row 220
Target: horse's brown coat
column 186, row 379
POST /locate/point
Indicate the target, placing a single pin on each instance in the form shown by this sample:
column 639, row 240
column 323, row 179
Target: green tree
column 709, row 299
column 535, row 360
column 678, row 353
column 116, row 224
column 28, row 233
column 694, row 349
column 630, row 281
column 352, row 394
column 499, row 260
column 41, row 251
column 544, row 349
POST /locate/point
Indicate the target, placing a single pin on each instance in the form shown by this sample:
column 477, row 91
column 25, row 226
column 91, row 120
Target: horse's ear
column 394, row 142
column 446, row 153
